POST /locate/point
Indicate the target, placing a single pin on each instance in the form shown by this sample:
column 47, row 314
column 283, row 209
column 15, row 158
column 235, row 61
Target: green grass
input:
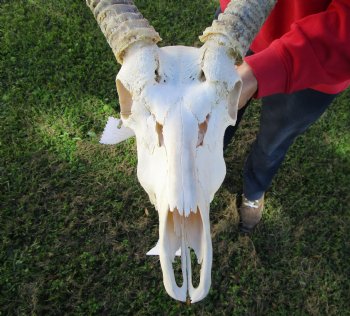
column 75, row 224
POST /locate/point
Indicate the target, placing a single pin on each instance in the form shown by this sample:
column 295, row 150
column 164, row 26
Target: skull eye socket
column 125, row 100
column 159, row 130
column 202, row 129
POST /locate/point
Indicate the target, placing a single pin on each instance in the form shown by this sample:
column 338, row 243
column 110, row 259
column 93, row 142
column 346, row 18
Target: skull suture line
column 178, row 101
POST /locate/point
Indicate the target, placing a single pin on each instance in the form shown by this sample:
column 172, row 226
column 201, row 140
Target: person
column 298, row 63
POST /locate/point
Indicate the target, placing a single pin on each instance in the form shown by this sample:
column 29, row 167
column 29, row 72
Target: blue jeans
column 283, row 118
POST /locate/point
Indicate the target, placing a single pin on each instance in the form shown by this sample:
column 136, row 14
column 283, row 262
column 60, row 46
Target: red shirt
column 302, row 44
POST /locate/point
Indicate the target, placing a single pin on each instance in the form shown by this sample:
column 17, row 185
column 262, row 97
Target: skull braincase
column 179, row 118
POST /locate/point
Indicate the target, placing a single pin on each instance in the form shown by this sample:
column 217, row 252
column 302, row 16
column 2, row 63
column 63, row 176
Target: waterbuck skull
column 179, row 118
column 178, row 101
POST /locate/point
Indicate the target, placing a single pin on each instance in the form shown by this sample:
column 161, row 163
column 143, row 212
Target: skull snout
column 181, row 135
column 180, row 143
column 182, row 187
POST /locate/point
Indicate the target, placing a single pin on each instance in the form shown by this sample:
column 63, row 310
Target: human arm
column 316, row 51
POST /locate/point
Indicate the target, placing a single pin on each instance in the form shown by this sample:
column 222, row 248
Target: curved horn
column 239, row 24
column 122, row 24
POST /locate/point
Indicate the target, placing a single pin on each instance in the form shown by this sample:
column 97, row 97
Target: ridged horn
column 122, row 24
column 239, row 24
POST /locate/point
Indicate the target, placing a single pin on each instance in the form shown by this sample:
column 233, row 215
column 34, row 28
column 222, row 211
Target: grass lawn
column 75, row 224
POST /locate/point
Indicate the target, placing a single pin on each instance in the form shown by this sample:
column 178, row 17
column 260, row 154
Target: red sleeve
column 316, row 51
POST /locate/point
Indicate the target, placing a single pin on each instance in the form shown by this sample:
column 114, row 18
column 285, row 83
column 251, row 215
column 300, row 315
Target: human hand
column 250, row 84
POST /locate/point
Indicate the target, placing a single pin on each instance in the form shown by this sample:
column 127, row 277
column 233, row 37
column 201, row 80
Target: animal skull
column 179, row 117
column 178, row 101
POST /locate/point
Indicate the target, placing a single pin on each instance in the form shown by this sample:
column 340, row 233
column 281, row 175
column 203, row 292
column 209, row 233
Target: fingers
column 250, row 84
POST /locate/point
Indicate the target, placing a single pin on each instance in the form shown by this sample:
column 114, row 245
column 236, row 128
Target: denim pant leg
column 283, row 118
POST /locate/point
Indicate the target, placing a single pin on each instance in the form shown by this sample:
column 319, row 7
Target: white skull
column 179, row 101
column 179, row 110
